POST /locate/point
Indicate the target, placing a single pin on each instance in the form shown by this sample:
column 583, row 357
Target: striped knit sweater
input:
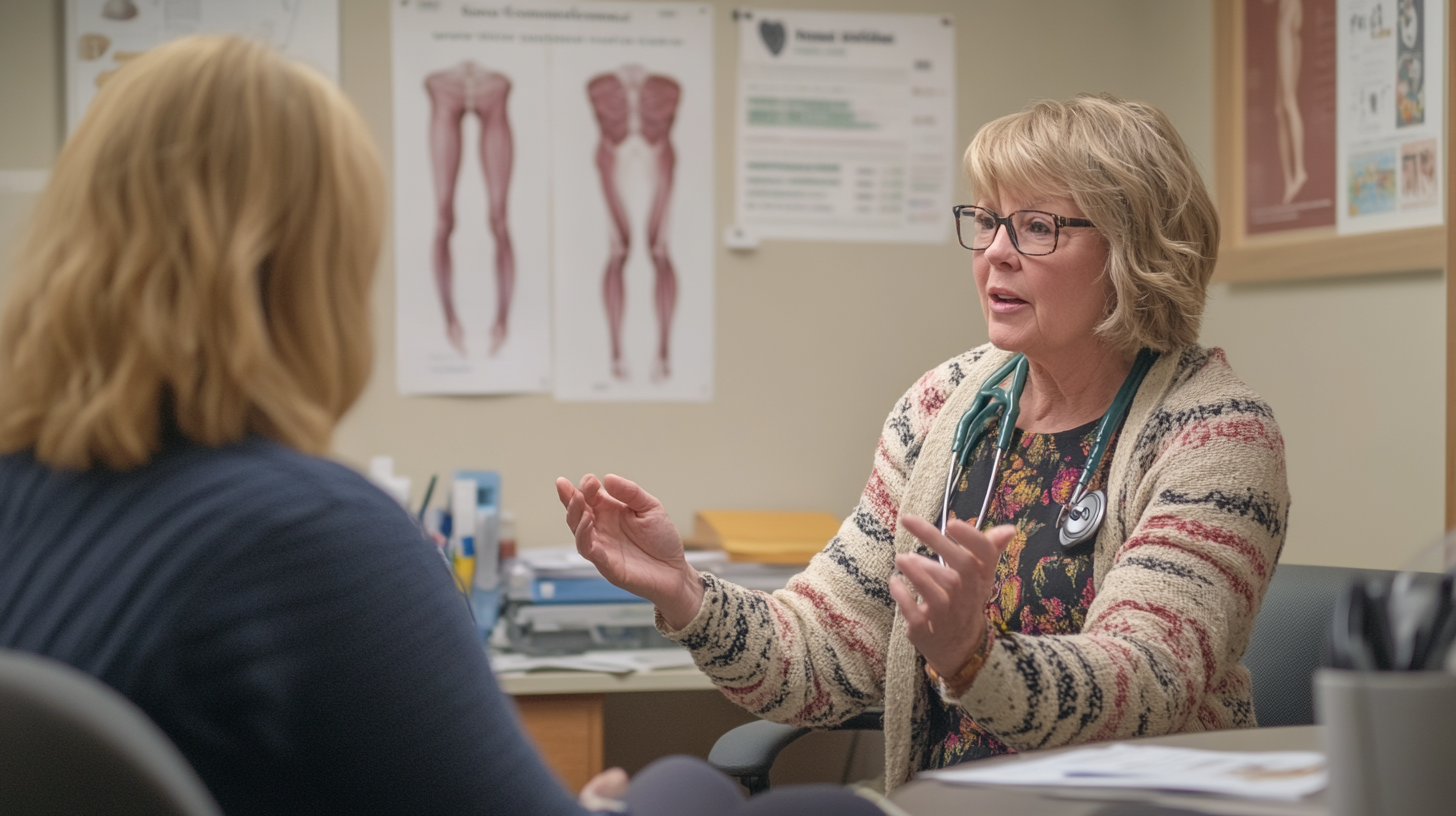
column 1198, row 505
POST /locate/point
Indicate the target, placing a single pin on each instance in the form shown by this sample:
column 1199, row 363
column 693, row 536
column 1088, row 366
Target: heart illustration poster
column 846, row 126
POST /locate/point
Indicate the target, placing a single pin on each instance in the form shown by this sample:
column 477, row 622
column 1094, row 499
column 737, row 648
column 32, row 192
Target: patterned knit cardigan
column 1197, row 509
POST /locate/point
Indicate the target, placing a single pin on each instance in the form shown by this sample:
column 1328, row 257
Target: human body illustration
column 1289, row 52
column 1410, row 80
column 631, row 102
column 454, row 92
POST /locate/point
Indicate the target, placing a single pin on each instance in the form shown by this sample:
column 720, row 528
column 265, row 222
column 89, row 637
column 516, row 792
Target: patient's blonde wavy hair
column 202, row 256
column 1130, row 172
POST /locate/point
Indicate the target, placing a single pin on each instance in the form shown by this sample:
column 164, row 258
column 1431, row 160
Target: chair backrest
column 1289, row 639
column 71, row 744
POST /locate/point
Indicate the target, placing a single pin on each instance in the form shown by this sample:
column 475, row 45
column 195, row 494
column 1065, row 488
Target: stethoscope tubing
column 994, row 403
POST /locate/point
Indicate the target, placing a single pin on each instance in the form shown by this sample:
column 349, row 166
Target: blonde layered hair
column 1130, row 173
column 202, row 257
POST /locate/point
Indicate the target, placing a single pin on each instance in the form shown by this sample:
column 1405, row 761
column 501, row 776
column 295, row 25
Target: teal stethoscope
column 1083, row 513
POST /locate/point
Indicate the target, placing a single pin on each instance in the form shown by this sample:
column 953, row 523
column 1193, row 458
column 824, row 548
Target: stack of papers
column 614, row 661
column 566, row 562
column 558, row 564
column 1283, row 775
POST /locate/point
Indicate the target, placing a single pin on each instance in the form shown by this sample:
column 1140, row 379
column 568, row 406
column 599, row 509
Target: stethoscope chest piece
column 1081, row 521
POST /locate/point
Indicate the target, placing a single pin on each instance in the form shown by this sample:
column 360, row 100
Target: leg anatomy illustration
column 469, row 88
column 1286, row 97
column 631, row 102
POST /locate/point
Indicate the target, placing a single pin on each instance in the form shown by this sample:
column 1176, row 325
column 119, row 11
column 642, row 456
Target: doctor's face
column 1044, row 306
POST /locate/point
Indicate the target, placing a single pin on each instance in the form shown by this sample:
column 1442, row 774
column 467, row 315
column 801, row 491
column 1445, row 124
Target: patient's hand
column 625, row 532
column 604, row 791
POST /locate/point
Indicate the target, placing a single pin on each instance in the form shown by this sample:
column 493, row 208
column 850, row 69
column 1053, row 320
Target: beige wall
column 816, row 341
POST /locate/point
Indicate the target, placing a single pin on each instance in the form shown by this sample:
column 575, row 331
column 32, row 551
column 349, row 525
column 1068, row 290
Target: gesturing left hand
column 947, row 622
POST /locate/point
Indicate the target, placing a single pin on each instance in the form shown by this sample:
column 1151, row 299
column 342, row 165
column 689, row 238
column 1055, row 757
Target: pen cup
column 1390, row 740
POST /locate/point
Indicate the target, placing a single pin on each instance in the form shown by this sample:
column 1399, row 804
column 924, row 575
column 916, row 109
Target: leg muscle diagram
column 454, row 92
column 631, row 102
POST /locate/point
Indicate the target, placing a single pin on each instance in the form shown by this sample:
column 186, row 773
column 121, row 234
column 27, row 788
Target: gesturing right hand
column 625, row 532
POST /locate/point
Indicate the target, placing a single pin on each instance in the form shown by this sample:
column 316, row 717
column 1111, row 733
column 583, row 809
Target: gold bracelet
column 955, row 686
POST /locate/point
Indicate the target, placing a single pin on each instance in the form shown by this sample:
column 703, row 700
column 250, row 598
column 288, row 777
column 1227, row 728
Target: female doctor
column 1102, row 500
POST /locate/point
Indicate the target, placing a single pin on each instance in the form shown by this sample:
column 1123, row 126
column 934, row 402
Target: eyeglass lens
column 1033, row 232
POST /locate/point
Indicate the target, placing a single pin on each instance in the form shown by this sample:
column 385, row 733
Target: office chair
column 1285, row 649
column 71, row 744
column 1288, row 642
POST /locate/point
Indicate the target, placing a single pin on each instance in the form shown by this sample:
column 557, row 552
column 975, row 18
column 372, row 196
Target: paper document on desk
column 1285, row 775
column 566, row 562
column 611, row 661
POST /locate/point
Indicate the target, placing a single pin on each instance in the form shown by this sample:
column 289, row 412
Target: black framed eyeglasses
column 1032, row 232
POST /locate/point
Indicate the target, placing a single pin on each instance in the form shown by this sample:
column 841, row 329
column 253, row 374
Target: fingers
column 574, row 500
column 590, row 488
column 978, row 544
column 627, row 492
column 910, row 609
column 937, row 584
column 581, row 530
column 959, row 548
column 565, row 490
column 1000, row 537
column 605, row 790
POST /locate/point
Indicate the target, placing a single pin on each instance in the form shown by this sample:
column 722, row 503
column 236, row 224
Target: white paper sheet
column 846, row 126
column 565, row 562
column 623, row 661
column 1391, row 78
column 471, row 191
column 1283, row 775
column 101, row 35
column 632, row 137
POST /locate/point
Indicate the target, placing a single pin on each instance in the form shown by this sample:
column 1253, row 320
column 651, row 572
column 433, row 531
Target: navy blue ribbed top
column 281, row 619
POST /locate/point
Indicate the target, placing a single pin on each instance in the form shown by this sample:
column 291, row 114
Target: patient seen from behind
column 188, row 321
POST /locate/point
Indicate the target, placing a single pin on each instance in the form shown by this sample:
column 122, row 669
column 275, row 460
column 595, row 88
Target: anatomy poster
column 101, row 35
column 632, row 172
column 1391, row 86
column 846, row 126
column 471, row 192
column 1289, row 115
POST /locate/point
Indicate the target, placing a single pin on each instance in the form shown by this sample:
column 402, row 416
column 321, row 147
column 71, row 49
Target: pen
column 429, row 491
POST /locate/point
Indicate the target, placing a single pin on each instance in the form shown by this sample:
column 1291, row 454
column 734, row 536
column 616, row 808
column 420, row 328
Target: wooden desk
column 563, row 711
column 928, row 797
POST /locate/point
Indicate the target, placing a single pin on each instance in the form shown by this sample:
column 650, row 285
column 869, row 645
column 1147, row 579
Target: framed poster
column 102, row 35
column 1276, row 110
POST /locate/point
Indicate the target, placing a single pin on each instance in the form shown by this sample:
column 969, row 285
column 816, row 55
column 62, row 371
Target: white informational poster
column 471, row 202
column 632, row 173
column 101, row 35
column 846, row 126
column 1391, row 72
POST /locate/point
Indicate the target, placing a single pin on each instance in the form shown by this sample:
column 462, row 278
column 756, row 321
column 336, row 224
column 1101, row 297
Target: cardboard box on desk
column 765, row 537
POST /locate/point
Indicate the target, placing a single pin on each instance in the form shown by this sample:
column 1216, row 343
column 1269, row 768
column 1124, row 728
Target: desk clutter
column 551, row 603
column 556, row 603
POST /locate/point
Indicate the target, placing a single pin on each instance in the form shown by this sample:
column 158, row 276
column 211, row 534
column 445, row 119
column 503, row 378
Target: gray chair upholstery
column 1290, row 636
column 71, row 744
column 1285, row 649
